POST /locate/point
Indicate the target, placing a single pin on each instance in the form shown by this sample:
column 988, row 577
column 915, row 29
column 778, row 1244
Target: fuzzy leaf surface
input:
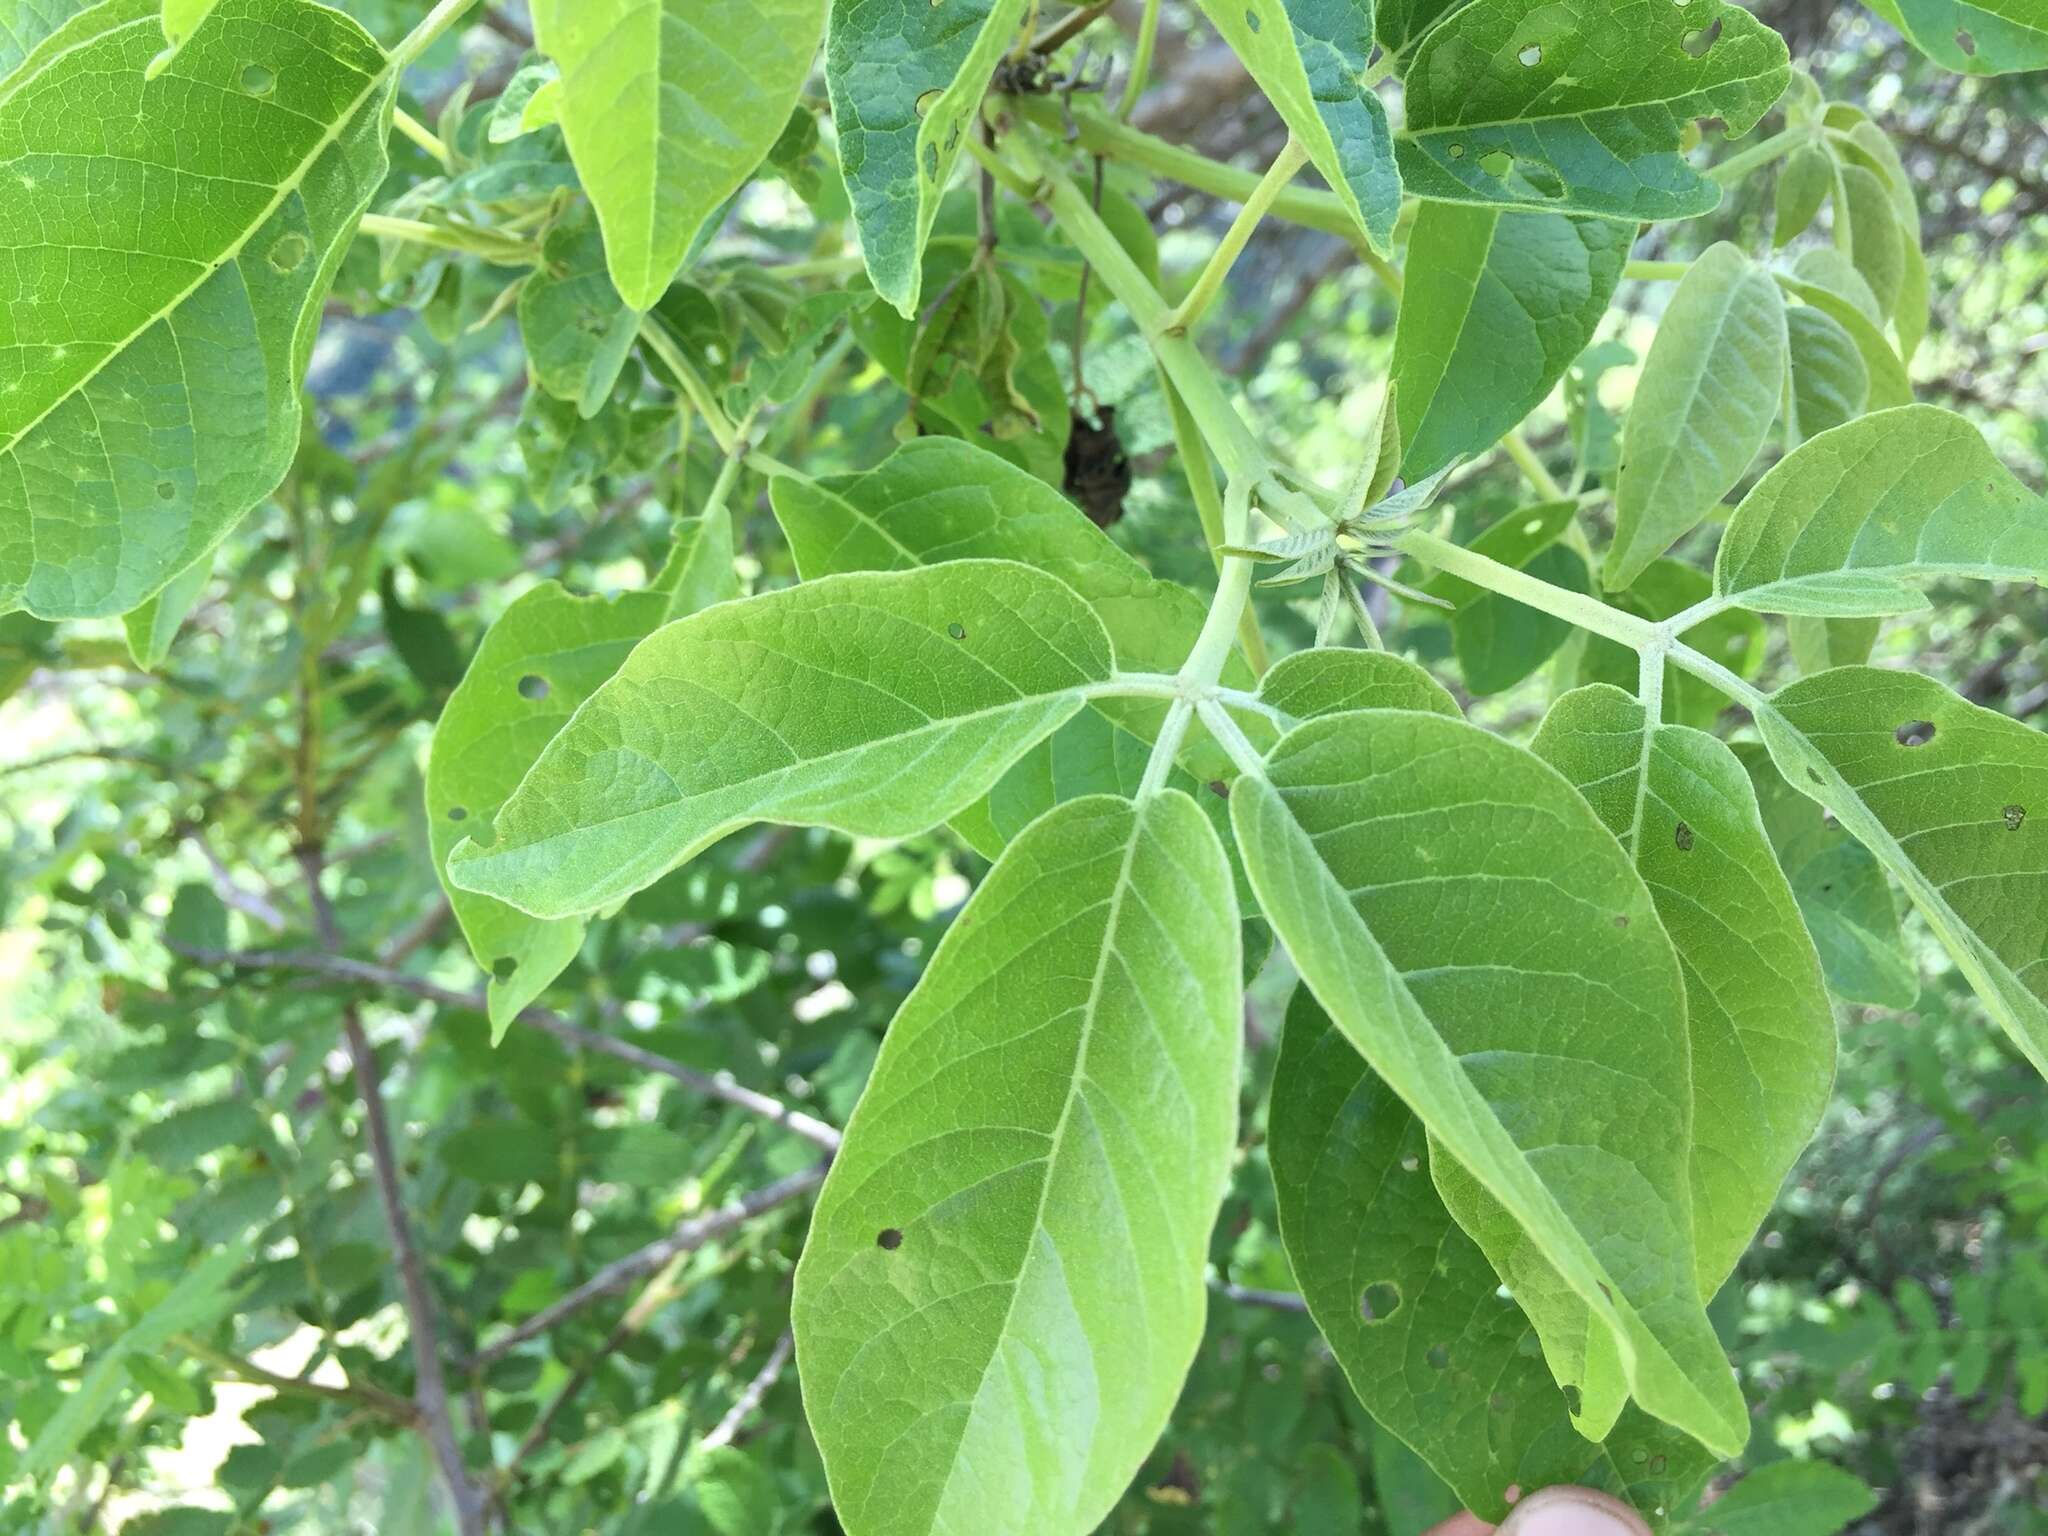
column 1003, row 1286
column 876, row 704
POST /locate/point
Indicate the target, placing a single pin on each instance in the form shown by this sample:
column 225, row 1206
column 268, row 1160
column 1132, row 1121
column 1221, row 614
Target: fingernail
column 1572, row 1512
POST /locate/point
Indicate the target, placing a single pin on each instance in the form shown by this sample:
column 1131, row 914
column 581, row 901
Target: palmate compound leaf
column 1951, row 798
column 1763, row 1033
column 1309, row 57
column 906, row 79
column 668, row 106
column 1496, row 306
column 1854, row 521
column 1412, row 1310
column 151, row 393
column 876, row 704
column 1708, row 395
column 938, row 499
column 1003, row 1286
column 1486, row 945
column 1582, row 106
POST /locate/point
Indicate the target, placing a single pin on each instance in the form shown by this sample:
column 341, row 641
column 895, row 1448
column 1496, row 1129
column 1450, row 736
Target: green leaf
column 1458, row 1000
column 1854, row 521
column 1876, row 242
column 1443, row 1347
column 1535, row 107
column 1953, row 800
column 875, row 704
column 577, row 329
column 198, row 1300
column 1818, row 644
column 1973, row 37
column 180, row 18
column 1596, row 434
column 1805, row 182
column 502, row 1152
column 1829, row 383
column 1309, row 57
column 1788, row 1498
column 939, row 499
column 1330, row 682
column 1003, row 1286
column 1841, row 890
column 544, row 656
column 1703, row 407
column 1400, row 24
column 197, row 1129
column 1496, row 307
column 906, row 79
column 25, row 23
column 1762, row 1031
column 102, row 501
column 698, row 570
column 668, row 107
column 1408, row 1303
column 152, row 627
column 1818, row 285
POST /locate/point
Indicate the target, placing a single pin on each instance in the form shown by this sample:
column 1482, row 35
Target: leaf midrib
column 286, row 188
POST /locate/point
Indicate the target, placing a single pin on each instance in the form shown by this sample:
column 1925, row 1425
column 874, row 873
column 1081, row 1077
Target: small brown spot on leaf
column 1621, row 919
column 2015, row 817
column 890, row 1238
column 1683, row 836
column 1219, row 789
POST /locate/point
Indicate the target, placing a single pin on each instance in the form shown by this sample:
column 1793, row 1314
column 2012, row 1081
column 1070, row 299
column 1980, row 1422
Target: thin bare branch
column 718, row 1086
column 691, row 1235
column 431, row 1387
column 1250, row 1296
column 744, row 1405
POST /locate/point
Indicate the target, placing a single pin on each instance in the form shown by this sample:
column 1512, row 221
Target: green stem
column 421, row 135
column 1540, row 479
column 1292, row 157
column 424, row 36
column 1758, row 155
column 1241, row 456
column 1141, row 61
column 379, row 1402
column 503, row 250
column 663, row 346
column 1208, row 497
column 1686, row 659
column 1573, row 607
column 1656, row 271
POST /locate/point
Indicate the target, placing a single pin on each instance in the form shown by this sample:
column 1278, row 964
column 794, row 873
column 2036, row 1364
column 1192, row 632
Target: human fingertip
column 1572, row 1512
